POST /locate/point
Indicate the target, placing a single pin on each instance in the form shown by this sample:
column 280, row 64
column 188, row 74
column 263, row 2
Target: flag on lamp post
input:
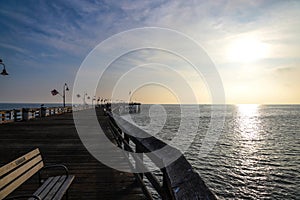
column 54, row 92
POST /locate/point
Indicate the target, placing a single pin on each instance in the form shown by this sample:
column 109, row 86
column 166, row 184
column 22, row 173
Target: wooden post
column 7, row 116
column 25, row 114
column 138, row 165
column 165, row 186
column 2, row 117
column 32, row 113
column 42, row 112
column 15, row 115
column 126, row 138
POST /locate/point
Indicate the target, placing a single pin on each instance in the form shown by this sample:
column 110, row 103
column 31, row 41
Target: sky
column 254, row 45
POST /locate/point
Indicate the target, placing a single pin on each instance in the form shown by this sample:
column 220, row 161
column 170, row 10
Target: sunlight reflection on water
column 248, row 121
column 257, row 155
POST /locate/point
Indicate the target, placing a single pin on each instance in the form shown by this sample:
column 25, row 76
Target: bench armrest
column 24, row 196
column 57, row 166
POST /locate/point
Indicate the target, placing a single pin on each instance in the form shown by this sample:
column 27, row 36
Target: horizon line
column 160, row 103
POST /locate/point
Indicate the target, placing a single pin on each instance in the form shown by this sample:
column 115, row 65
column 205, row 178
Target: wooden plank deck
column 58, row 141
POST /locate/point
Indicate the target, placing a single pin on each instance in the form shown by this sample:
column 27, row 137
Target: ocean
column 257, row 154
column 11, row 106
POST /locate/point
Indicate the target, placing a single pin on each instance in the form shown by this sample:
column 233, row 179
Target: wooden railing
column 26, row 114
column 180, row 181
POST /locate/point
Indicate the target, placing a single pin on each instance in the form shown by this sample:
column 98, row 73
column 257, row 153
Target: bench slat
column 12, row 165
column 40, row 189
column 12, row 186
column 64, row 188
column 55, row 189
column 47, row 189
column 14, row 174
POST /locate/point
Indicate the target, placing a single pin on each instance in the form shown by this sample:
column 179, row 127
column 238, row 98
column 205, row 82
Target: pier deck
column 58, row 141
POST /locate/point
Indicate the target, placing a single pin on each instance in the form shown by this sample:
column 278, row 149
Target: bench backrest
column 18, row 171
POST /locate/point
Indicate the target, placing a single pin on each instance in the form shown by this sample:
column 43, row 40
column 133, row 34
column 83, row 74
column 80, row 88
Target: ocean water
column 257, row 153
column 11, row 106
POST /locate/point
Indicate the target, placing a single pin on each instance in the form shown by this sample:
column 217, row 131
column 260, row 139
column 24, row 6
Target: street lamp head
column 4, row 72
column 66, row 87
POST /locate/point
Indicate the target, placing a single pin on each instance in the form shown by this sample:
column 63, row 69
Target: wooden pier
column 57, row 139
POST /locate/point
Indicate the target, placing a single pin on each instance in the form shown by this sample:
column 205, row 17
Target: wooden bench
column 18, row 171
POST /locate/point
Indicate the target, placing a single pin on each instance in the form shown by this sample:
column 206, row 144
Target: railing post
column 139, row 165
column 25, row 114
column 126, row 138
column 42, row 112
column 15, row 115
column 167, row 190
column 7, row 116
column 32, row 113
column 2, row 117
column 37, row 113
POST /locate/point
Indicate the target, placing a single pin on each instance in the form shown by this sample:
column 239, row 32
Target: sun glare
column 247, row 109
column 247, row 50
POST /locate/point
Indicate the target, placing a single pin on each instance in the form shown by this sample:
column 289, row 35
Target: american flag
column 54, row 92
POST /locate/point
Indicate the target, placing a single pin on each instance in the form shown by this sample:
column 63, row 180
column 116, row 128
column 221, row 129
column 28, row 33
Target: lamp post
column 84, row 102
column 65, row 88
column 55, row 92
column 4, row 72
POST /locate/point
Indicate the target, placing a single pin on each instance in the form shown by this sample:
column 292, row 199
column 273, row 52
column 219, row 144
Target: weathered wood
column 155, row 183
column 42, row 187
column 64, row 187
column 180, row 181
column 13, row 185
column 12, row 165
column 54, row 188
column 57, row 138
column 139, row 165
column 48, row 187
column 25, row 114
column 13, row 175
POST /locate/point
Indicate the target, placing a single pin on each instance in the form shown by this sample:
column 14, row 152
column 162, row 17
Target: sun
column 247, row 49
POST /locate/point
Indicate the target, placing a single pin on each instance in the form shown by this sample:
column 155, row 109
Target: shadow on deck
column 57, row 139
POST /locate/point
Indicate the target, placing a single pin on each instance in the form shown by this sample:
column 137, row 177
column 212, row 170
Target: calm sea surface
column 10, row 106
column 257, row 154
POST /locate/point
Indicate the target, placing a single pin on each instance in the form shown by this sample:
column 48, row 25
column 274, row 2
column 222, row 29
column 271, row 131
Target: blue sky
column 43, row 43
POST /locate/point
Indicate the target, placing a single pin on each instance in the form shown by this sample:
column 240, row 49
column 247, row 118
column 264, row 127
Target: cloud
column 14, row 48
column 52, row 35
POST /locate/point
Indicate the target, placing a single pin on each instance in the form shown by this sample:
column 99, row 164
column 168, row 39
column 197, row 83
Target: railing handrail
column 24, row 114
column 180, row 181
